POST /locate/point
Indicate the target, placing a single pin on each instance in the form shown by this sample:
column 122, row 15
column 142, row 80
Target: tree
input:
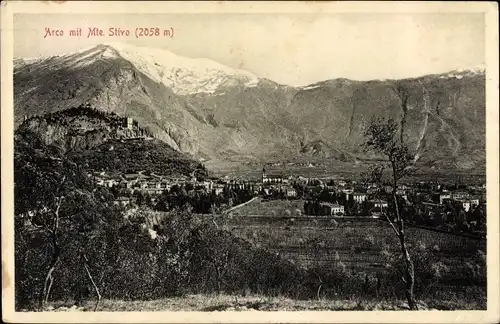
column 381, row 137
column 57, row 212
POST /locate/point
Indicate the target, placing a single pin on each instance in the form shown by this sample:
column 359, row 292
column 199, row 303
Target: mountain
column 218, row 113
column 102, row 141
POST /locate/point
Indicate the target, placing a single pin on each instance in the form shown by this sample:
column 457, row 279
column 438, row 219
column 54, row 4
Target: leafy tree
column 381, row 137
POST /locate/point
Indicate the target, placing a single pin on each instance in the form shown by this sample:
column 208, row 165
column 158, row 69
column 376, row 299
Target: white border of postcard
column 490, row 9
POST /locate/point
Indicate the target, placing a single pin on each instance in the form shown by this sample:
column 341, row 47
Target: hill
column 137, row 154
column 101, row 141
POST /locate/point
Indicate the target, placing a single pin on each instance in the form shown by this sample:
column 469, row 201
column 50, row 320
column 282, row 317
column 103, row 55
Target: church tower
column 264, row 176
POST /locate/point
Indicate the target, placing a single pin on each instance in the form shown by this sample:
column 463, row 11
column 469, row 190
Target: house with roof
column 347, row 192
column 290, row 192
column 445, row 195
column 329, row 209
column 459, row 195
column 218, row 190
column 359, row 197
column 337, row 209
column 342, row 183
column 272, row 178
column 122, row 201
column 379, row 203
column 468, row 204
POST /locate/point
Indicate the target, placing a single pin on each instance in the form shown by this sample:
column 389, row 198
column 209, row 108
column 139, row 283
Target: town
column 456, row 208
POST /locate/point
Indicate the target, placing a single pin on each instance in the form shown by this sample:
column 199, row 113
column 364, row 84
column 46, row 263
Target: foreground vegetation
column 224, row 302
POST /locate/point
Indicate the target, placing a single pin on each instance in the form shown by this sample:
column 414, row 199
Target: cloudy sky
column 295, row 49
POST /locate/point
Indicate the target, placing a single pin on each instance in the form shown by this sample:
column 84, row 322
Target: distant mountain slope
column 215, row 112
column 444, row 122
column 101, row 141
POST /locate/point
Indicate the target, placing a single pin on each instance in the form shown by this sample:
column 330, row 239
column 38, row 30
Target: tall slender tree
column 382, row 138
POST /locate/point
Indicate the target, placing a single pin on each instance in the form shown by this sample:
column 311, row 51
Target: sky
column 293, row 49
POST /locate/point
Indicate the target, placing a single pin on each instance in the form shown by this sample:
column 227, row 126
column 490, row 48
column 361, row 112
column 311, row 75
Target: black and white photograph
column 251, row 162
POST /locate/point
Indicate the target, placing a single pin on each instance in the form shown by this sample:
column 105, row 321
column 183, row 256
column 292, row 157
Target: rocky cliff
column 102, row 141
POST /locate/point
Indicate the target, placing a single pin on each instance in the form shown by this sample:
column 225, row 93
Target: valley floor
column 211, row 303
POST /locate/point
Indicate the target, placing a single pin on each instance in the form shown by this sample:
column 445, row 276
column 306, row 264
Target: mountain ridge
column 444, row 122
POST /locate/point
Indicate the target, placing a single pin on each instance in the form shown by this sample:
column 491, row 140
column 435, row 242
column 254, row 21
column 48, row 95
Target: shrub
column 369, row 241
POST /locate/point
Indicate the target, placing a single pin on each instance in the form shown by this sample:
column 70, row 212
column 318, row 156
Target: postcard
column 302, row 162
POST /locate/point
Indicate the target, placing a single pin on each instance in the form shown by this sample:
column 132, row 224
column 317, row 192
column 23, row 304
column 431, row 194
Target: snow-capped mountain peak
column 184, row 75
column 469, row 71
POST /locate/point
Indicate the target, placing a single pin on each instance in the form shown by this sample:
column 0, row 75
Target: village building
column 342, row 183
column 468, row 204
column 431, row 210
column 110, row 183
column 474, row 201
column 347, row 192
column 337, row 209
column 328, row 209
column 208, row 185
column 379, row 203
column 272, row 178
column 359, row 197
column 459, row 195
column 444, row 196
column 291, row 193
column 122, row 201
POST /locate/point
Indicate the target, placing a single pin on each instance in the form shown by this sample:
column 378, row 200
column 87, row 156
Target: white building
column 359, row 197
column 467, row 204
column 444, row 196
column 458, row 195
column 337, row 209
column 380, row 204
column 347, row 191
column 291, row 192
column 342, row 183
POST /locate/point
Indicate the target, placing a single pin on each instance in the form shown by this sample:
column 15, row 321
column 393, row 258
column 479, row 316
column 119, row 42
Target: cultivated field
column 356, row 242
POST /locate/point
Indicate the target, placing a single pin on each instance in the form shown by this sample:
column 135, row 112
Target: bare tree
column 47, row 221
column 381, row 137
column 85, row 261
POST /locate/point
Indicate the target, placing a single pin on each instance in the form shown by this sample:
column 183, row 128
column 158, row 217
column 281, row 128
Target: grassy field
column 231, row 303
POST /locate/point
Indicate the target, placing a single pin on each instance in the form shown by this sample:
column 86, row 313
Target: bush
column 369, row 241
